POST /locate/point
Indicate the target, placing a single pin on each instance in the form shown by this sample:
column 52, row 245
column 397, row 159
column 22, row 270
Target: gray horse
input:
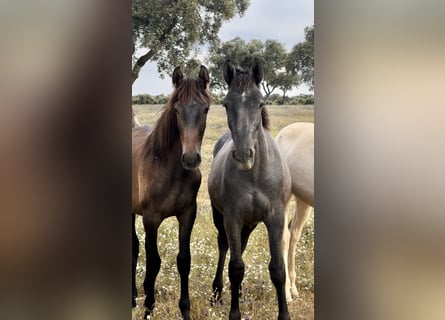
column 248, row 183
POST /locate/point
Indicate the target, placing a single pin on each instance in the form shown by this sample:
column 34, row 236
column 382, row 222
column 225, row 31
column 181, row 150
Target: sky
column 282, row 20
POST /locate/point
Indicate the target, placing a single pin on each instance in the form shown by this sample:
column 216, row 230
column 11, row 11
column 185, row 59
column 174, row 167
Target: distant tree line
column 304, row 99
column 149, row 99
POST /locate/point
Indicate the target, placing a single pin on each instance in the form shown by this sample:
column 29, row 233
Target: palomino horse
column 166, row 178
column 296, row 145
column 248, row 184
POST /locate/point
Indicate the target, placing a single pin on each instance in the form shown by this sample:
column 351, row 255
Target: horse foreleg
column 186, row 221
column 245, row 234
column 285, row 252
column 302, row 211
column 275, row 227
column 236, row 265
column 153, row 263
column 223, row 246
column 135, row 249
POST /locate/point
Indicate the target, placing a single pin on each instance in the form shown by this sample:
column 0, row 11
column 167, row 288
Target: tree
column 271, row 54
column 301, row 58
column 286, row 82
column 169, row 31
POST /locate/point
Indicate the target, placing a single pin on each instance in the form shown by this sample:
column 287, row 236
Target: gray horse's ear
column 204, row 77
column 228, row 72
column 177, row 77
column 257, row 71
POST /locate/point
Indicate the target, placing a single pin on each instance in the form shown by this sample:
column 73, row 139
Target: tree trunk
column 140, row 63
column 284, row 95
column 267, row 90
column 146, row 57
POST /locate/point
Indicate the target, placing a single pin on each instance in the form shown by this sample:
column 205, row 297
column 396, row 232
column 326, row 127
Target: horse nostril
column 191, row 160
column 233, row 154
column 250, row 153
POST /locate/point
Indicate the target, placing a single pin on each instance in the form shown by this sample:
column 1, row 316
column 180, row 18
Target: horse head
column 245, row 110
column 191, row 103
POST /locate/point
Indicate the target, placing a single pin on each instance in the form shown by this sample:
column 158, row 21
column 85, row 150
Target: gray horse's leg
column 276, row 267
column 236, row 265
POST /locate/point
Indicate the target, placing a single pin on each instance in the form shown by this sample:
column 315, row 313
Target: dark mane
column 166, row 132
column 265, row 118
column 241, row 83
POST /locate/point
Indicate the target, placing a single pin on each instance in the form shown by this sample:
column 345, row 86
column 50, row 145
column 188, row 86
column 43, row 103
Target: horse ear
column 228, row 72
column 204, row 78
column 257, row 71
column 177, row 77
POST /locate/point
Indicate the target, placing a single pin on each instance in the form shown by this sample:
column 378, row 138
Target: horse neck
column 174, row 157
column 262, row 150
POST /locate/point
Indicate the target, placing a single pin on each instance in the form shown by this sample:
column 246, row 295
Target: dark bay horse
column 248, row 183
column 166, row 178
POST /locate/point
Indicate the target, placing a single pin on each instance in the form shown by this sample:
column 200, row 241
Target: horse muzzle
column 191, row 161
column 244, row 159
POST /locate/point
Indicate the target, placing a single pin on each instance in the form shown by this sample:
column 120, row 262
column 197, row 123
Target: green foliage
column 149, row 99
column 271, row 53
column 171, row 31
column 305, row 99
column 217, row 97
column 301, row 58
column 302, row 99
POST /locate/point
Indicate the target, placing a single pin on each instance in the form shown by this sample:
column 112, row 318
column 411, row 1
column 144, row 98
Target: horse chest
column 252, row 205
column 172, row 196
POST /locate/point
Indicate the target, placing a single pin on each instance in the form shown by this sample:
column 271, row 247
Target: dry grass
column 259, row 299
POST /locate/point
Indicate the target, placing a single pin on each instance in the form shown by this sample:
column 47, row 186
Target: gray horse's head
column 245, row 110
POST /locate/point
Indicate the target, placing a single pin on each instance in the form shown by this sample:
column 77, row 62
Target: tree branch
column 146, row 57
column 267, row 90
column 140, row 63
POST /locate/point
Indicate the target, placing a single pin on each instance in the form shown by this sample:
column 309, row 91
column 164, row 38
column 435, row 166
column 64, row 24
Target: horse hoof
column 147, row 315
column 284, row 316
column 235, row 315
column 295, row 293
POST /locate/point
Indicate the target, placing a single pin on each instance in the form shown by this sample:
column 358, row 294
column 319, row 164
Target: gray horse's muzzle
column 244, row 159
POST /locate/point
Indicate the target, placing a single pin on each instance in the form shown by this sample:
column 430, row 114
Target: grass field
column 259, row 300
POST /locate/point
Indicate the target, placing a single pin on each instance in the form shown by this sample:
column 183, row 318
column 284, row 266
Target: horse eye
column 225, row 106
column 261, row 105
column 176, row 110
column 206, row 110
